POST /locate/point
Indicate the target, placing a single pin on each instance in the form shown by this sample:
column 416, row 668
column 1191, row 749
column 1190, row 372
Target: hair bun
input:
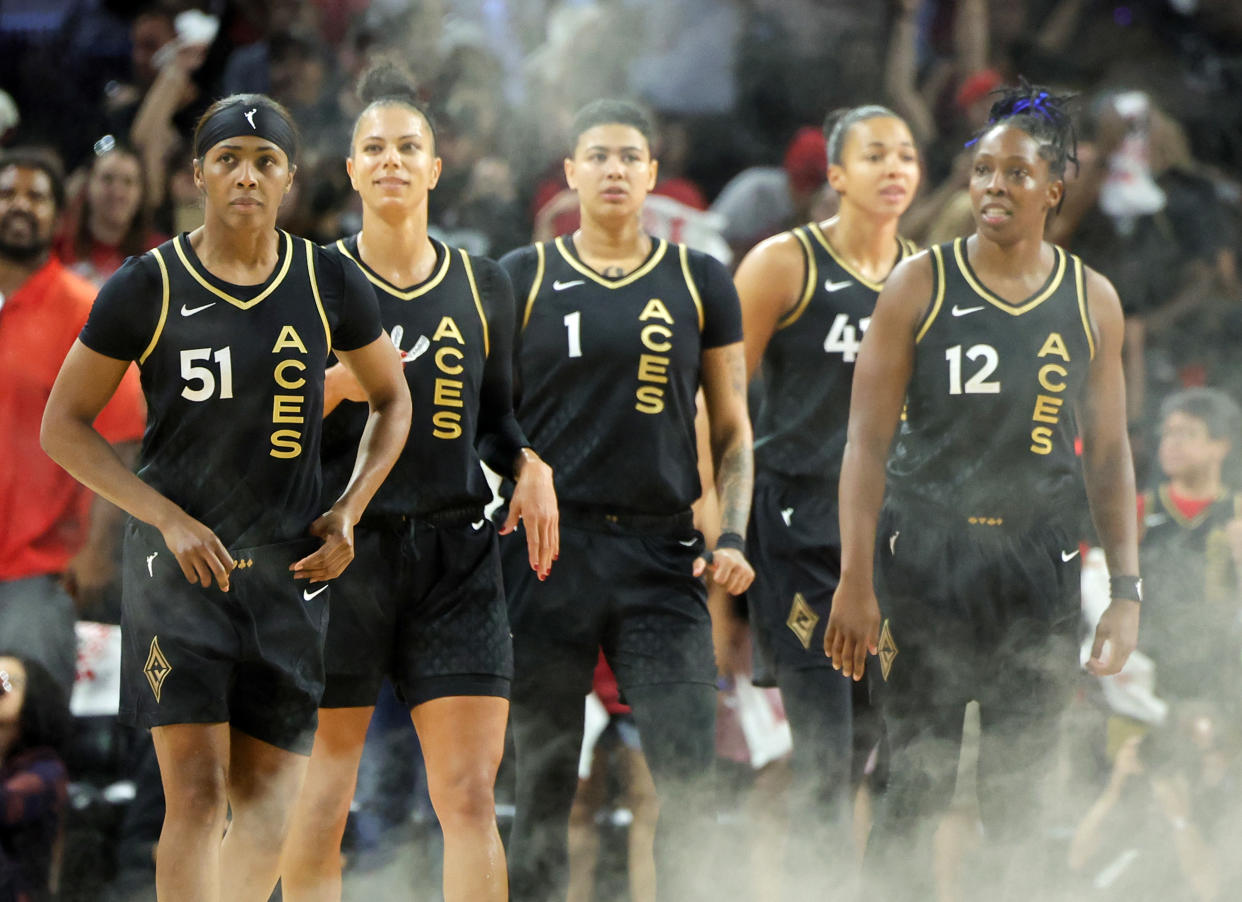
column 387, row 80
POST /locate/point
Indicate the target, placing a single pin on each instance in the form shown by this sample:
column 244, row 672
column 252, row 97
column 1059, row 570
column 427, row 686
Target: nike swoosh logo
column 1068, row 556
column 837, row 286
column 307, row 594
column 787, row 515
column 561, row 286
column 687, row 542
column 962, row 311
column 892, row 542
column 477, row 525
column 190, row 311
column 151, row 560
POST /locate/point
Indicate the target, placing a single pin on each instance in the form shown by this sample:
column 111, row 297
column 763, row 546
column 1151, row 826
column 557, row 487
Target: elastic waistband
column 587, row 517
column 449, row 516
column 1007, row 521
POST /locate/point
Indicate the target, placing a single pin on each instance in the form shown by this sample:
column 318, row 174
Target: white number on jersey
column 843, row 338
column 192, row 371
column 977, row 384
column 573, row 327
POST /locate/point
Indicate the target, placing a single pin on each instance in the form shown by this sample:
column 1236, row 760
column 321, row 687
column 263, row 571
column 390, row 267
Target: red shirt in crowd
column 44, row 511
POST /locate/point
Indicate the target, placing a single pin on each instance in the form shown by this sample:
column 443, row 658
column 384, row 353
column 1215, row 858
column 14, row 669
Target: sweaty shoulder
column 348, row 299
column 722, row 312
column 128, row 309
column 772, row 272
column 522, row 265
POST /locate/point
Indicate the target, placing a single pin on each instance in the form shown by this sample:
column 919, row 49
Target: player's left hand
column 730, row 569
column 331, row 558
column 534, row 503
column 1118, row 628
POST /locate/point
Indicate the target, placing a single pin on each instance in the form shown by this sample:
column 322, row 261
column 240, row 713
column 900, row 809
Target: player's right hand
column 853, row 630
column 198, row 550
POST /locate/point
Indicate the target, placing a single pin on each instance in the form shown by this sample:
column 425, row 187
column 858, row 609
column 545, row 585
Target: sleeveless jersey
column 453, row 331
column 608, row 370
column 808, row 367
column 233, row 377
column 989, row 427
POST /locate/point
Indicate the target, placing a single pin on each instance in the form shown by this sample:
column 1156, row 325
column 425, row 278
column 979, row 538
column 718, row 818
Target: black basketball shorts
column 626, row 588
column 251, row 657
column 423, row 605
column 794, row 545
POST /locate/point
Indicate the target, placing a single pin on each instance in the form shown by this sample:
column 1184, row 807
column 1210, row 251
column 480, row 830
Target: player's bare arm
column 1108, row 470
column 86, row 382
column 724, row 388
column 885, row 362
column 768, row 280
column 377, row 367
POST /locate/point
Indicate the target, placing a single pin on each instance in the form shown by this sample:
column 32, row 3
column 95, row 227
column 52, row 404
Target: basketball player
column 423, row 605
column 1003, row 348
column 807, row 297
column 224, row 591
column 618, row 330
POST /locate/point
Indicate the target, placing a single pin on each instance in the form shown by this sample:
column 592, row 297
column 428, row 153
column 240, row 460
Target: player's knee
column 467, row 801
column 200, row 800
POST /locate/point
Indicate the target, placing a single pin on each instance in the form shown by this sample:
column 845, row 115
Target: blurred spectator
column 57, row 545
column 1191, row 550
column 109, row 220
column 34, row 728
column 763, row 200
column 1157, row 830
column 1142, row 213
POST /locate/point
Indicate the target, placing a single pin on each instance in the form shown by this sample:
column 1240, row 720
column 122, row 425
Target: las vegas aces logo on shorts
column 157, row 668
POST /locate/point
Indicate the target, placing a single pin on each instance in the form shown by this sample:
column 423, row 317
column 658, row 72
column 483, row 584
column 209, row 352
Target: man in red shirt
column 57, row 541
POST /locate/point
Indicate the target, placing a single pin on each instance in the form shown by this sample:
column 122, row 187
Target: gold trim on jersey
column 811, row 279
column 591, row 274
column 541, row 264
column 224, row 295
column 399, row 293
column 314, row 283
column 815, row 229
column 1081, row 284
column 938, row 276
column 997, row 301
column 684, row 253
column 159, row 327
column 908, row 247
column 478, row 302
column 1171, row 508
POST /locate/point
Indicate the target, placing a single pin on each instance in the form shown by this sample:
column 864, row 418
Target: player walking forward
column 423, row 605
column 225, row 599
column 1002, row 348
column 618, row 331
column 807, row 298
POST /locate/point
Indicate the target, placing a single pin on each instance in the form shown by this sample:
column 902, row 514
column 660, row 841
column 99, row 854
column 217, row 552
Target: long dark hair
column 134, row 241
column 45, row 721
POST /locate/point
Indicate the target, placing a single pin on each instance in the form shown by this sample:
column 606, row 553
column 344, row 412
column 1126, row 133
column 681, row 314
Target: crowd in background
column 739, row 88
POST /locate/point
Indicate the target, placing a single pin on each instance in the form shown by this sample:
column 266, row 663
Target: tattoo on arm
column 735, row 472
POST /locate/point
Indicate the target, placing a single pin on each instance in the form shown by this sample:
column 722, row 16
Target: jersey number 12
column 978, row 384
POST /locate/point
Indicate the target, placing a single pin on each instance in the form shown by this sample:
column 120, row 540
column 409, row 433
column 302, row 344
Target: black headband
column 239, row 119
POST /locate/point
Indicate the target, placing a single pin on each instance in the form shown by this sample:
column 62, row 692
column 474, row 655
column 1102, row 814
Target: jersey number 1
column 573, row 328
column 192, row 371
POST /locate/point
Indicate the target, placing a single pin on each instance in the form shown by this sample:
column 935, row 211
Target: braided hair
column 1042, row 115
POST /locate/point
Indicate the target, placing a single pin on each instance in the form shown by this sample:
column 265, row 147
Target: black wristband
column 732, row 540
column 1128, row 587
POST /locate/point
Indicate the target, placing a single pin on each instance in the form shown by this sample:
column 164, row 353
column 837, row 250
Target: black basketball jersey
column 808, row 367
column 455, row 335
column 233, row 378
column 607, row 370
column 989, row 428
